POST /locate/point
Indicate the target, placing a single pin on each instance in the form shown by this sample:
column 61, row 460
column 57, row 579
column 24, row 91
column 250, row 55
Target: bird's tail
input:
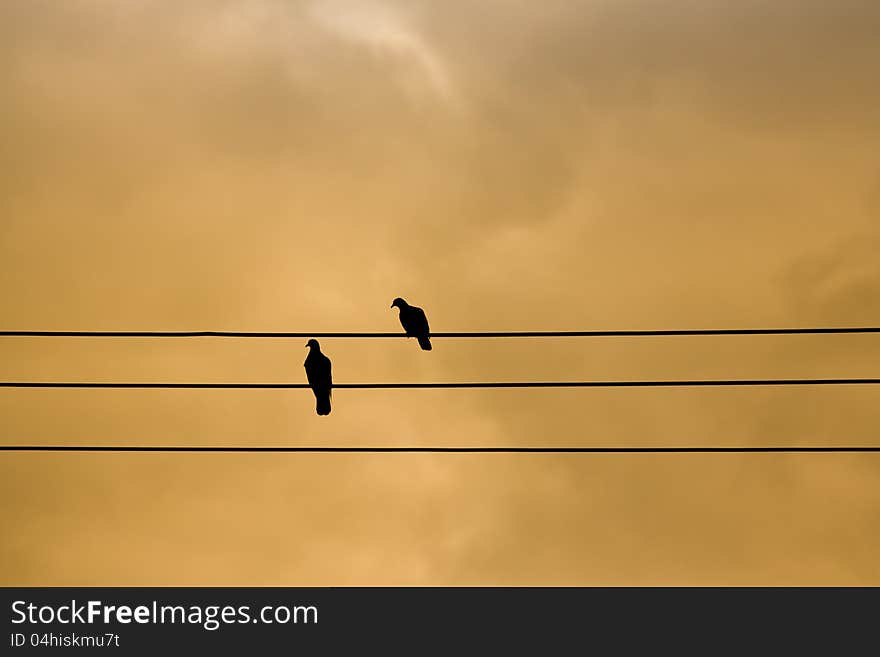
column 425, row 343
column 322, row 405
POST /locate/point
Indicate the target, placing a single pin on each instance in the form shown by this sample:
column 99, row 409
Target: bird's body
column 414, row 322
column 318, row 373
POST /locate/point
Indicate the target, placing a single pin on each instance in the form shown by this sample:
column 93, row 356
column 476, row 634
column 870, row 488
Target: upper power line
column 455, row 334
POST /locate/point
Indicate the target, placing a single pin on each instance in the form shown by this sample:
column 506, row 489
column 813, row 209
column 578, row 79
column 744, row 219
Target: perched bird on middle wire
column 414, row 322
column 320, row 378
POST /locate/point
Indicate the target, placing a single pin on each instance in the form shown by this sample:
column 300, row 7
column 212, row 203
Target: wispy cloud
column 385, row 32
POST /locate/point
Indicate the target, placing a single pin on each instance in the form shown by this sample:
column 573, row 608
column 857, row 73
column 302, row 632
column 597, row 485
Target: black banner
column 423, row 620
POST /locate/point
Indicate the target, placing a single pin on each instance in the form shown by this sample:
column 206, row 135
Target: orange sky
column 507, row 165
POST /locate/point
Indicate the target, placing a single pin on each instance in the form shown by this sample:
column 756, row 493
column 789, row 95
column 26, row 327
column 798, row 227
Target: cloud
column 385, row 32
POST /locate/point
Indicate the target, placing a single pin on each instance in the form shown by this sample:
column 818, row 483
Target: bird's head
column 398, row 303
column 313, row 344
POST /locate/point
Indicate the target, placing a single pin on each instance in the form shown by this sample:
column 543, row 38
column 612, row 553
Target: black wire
column 495, row 384
column 441, row 450
column 472, row 334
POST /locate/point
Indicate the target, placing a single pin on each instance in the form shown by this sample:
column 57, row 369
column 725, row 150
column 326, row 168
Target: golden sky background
column 507, row 165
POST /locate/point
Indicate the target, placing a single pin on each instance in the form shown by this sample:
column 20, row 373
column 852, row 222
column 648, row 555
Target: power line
column 467, row 334
column 481, row 384
column 442, row 450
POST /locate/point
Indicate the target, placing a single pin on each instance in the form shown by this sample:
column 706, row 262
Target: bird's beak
column 307, row 344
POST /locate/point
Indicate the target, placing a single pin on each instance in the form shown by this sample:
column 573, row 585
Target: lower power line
column 443, row 450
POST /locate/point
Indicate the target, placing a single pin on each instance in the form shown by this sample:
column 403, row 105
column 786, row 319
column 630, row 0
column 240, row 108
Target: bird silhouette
column 414, row 322
column 320, row 379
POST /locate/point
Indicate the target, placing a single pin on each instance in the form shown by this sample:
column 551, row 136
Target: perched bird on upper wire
column 320, row 378
column 414, row 322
